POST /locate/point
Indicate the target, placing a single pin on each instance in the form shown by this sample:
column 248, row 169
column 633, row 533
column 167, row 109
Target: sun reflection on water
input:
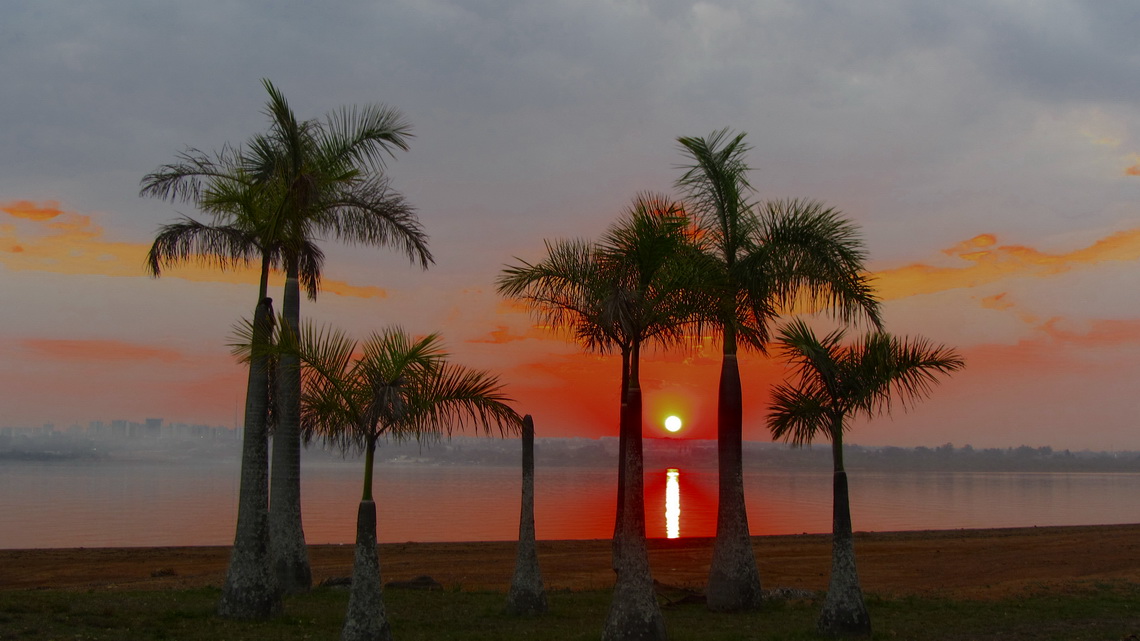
column 672, row 504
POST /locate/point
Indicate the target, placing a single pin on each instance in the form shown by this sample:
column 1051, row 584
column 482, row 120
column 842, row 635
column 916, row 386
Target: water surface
column 169, row 503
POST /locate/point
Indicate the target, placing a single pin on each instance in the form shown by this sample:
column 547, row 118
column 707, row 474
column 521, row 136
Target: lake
column 176, row 503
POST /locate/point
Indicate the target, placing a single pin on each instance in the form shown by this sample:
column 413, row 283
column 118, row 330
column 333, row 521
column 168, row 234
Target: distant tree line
column 758, row 456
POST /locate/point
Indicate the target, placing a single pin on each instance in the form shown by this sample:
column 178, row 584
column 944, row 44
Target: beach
column 971, row 564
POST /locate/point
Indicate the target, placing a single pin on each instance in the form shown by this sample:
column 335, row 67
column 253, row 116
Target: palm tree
column 398, row 387
column 628, row 288
column 327, row 179
column 527, row 594
column 834, row 383
column 238, row 236
column 760, row 260
column 332, row 175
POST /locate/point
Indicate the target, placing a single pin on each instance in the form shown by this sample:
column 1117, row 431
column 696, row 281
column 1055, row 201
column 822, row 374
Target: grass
column 1102, row 611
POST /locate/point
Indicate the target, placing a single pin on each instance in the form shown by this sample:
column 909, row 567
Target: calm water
column 45, row 505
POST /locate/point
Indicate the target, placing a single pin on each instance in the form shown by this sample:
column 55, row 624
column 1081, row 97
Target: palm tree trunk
column 290, row 554
column 366, row 619
column 616, row 551
column 527, row 594
column 250, row 590
column 634, row 612
column 734, row 580
column 844, row 612
column 369, row 462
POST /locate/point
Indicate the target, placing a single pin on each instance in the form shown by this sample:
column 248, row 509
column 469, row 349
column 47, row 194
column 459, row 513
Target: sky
column 988, row 150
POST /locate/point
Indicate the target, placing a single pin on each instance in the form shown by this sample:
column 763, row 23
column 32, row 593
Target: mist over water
column 187, row 501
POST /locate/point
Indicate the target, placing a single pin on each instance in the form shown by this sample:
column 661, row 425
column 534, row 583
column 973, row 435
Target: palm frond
column 453, row 397
column 810, row 254
column 815, row 360
column 565, row 291
column 366, row 135
column 189, row 241
column 370, row 213
column 905, row 368
column 798, row 415
column 716, row 186
column 183, row 180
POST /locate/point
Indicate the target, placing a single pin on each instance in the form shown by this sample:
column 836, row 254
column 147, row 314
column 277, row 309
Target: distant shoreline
column 990, row 563
column 552, row 452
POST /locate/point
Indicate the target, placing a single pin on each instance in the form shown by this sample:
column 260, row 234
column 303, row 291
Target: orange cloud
column 967, row 246
column 499, row 336
column 72, row 244
column 97, row 350
column 1003, row 302
column 997, row 301
column 31, row 211
column 502, row 335
column 986, row 262
column 1134, row 170
column 1101, row 333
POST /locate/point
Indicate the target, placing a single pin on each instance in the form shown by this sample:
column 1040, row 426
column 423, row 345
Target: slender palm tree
column 238, row 236
column 332, row 176
column 760, row 260
column 834, row 383
column 327, row 179
column 527, row 594
column 398, row 387
column 627, row 289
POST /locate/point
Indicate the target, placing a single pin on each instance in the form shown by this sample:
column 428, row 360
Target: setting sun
column 673, row 423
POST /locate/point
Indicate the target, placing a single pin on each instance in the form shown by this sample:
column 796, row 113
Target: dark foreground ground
column 971, row 564
column 1060, row 584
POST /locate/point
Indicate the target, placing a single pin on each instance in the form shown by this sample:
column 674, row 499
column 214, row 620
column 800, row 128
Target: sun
column 673, row 423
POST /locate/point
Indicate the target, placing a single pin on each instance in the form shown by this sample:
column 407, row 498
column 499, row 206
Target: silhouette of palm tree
column 759, row 261
column 833, row 383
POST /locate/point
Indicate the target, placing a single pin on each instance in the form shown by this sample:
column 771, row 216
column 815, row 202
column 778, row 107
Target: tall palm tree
column 760, row 260
column 627, row 289
column 327, row 179
column 398, row 387
column 834, row 383
column 527, row 594
column 332, row 175
column 239, row 235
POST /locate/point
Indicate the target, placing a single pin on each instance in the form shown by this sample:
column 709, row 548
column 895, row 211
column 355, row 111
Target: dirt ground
column 978, row 564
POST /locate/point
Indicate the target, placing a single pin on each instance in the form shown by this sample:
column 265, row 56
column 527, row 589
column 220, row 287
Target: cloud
column 31, row 211
column 997, row 301
column 1100, row 333
column 1134, row 170
column 987, row 262
column 97, row 350
column 499, row 336
column 72, row 244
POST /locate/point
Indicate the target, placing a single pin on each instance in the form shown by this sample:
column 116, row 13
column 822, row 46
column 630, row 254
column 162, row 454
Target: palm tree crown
column 391, row 385
column 300, row 181
column 764, row 259
column 627, row 288
column 835, row 381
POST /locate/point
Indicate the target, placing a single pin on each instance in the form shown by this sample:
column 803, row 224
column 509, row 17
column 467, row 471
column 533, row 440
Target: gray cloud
column 546, row 117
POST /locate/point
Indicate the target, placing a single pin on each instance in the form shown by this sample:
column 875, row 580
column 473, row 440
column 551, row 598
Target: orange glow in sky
column 567, row 391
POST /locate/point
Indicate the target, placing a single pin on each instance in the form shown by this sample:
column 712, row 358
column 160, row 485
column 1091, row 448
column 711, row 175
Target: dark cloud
column 569, row 107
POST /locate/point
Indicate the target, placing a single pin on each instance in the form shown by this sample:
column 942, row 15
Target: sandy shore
column 962, row 563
